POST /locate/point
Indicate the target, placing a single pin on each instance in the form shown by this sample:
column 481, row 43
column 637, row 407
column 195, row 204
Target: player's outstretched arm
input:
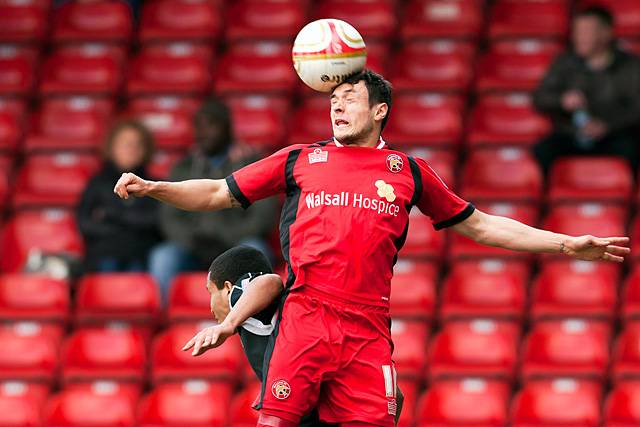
column 262, row 292
column 507, row 233
column 191, row 195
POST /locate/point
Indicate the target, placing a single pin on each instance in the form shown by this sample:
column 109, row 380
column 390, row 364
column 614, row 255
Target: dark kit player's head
column 227, row 269
column 360, row 107
column 213, row 127
column 592, row 31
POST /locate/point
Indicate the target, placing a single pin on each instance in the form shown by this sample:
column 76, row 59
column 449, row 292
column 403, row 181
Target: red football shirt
column 346, row 212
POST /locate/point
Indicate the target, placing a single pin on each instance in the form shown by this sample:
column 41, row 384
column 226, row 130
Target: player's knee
column 265, row 420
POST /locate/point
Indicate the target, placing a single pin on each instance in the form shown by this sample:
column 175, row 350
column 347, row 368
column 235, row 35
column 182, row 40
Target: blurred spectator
column 118, row 233
column 592, row 94
column 195, row 238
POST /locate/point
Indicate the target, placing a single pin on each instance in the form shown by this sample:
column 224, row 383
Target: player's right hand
column 131, row 184
column 208, row 338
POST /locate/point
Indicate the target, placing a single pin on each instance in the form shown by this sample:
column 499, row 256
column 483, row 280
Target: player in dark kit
column 344, row 220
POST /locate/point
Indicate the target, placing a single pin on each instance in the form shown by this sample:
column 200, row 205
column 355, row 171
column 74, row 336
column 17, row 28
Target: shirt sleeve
column 437, row 201
column 261, row 179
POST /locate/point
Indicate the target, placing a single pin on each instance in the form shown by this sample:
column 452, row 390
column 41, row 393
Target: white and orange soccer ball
column 326, row 51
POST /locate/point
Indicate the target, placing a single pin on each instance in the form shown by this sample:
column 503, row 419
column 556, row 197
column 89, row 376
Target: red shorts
column 333, row 355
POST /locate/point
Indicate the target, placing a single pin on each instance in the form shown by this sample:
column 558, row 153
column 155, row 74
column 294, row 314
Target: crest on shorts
column 394, row 163
column 280, row 389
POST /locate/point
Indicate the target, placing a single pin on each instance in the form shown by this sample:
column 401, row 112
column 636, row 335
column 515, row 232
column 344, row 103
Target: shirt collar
column 380, row 146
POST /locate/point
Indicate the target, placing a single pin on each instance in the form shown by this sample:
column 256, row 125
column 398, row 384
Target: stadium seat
column 483, row 176
column 625, row 363
column 23, row 21
column 256, row 68
column 410, row 348
column 581, row 289
column 193, row 403
column 434, row 66
column 161, row 164
column 103, row 407
column 53, row 180
column 413, row 289
column 626, row 15
column 425, row 120
column 27, row 235
column 622, row 406
column 18, row 67
column 169, row 363
column 20, row 403
column 442, row 18
column 311, row 121
column 260, row 121
column 264, row 20
column 34, row 297
column 442, row 162
column 410, row 391
column 188, row 299
column 423, row 241
column 484, row 289
column 482, row 348
column 464, row 402
column 11, row 131
column 533, row 18
column 83, row 70
column 463, row 247
column 6, row 172
column 582, row 179
column 172, row 20
column 549, row 351
column 131, row 390
column 96, row 21
column 175, row 69
column 169, row 118
column 630, row 296
column 29, row 353
column 587, row 218
column 91, row 354
column 242, row 414
column 133, row 298
column 562, row 402
column 75, row 123
column 375, row 19
column 505, row 120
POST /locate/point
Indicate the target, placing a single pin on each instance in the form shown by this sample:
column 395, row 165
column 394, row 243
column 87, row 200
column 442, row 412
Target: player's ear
column 228, row 285
column 381, row 111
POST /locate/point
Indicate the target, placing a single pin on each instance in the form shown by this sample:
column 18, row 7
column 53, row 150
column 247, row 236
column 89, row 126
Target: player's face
column 589, row 36
column 352, row 118
column 219, row 300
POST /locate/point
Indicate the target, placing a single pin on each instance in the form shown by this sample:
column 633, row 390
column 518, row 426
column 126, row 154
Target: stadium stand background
column 483, row 337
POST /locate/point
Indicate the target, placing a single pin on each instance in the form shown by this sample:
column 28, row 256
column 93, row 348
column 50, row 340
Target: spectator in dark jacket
column 592, row 94
column 118, row 233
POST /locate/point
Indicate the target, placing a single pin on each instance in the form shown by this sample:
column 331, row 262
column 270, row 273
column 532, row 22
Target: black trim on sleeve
column 236, row 192
column 456, row 219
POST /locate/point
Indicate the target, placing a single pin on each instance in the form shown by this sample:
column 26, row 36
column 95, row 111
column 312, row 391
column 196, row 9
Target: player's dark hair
column 602, row 14
column 235, row 263
column 379, row 89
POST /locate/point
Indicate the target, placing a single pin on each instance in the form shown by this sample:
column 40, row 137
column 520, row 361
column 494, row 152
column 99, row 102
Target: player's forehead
column 358, row 89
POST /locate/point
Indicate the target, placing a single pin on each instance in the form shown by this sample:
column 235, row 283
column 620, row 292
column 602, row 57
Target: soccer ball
column 326, row 51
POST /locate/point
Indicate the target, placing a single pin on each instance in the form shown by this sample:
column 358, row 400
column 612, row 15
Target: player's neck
column 365, row 141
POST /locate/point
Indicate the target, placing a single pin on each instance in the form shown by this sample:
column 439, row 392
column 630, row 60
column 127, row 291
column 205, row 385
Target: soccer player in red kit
column 344, row 220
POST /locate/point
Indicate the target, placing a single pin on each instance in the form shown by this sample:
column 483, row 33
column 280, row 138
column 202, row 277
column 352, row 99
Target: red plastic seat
column 18, row 70
column 423, row 241
column 188, row 298
column 29, row 353
column 261, row 20
column 375, row 19
column 588, row 218
column 625, row 362
column 90, row 354
column 98, row 20
column 626, row 14
column 311, row 121
column 533, row 18
column 505, row 120
column 242, row 414
column 442, row 18
column 53, row 180
column 169, row 363
column 410, row 390
column 485, row 289
column 174, row 404
column 20, row 403
column 257, row 68
column 581, row 179
column 84, row 70
column 23, row 22
column 413, row 289
column 171, row 20
column 483, row 176
column 482, row 348
column 582, row 289
column 6, row 171
column 34, row 297
column 630, row 296
column 622, row 406
column 466, row 402
column 11, row 131
column 259, row 121
column 28, row 234
column 410, row 348
column 562, row 402
column 550, row 350
column 89, row 407
column 161, row 164
column 442, row 162
column 425, row 120
column 76, row 123
column 434, row 66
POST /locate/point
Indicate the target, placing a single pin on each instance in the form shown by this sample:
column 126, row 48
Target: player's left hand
column 589, row 248
column 208, row 338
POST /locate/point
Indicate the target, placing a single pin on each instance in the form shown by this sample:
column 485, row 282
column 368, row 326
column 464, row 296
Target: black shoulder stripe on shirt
column 290, row 209
column 456, row 219
column 417, row 181
column 236, row 192
column 321, row 143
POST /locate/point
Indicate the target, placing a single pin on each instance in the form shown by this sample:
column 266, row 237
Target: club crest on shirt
column 280, row 389
column 394, row 163
column 385, row 190
column 318, row 156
